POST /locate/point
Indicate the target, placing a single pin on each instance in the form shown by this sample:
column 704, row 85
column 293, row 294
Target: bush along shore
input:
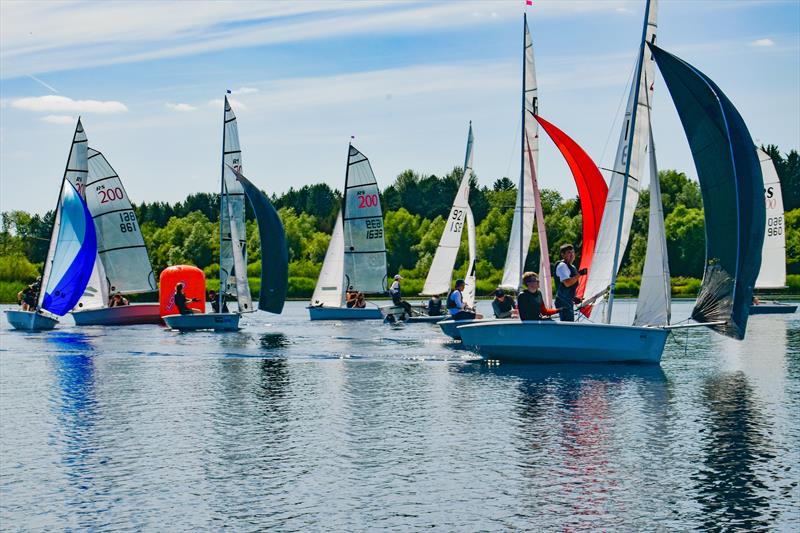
column 415, row 208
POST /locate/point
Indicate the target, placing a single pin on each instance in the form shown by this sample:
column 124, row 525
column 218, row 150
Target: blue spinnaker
column 74, row 254
column 732, row 186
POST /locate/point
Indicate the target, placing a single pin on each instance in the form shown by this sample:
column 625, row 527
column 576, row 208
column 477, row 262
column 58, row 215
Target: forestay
column 233, row 269
column 655, row 294
column 603, row 267
column 441, row 271
column 329, row 291
column 732, row 188
column 773, row 257
column 120, row 244
column 364, row 245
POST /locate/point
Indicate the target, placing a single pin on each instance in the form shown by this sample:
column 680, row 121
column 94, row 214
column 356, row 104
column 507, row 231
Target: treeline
column 415, row 208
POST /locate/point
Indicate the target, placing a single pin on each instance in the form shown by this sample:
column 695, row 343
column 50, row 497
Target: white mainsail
column 603, row 267
column 329, row 291
column 773, row 255
column 233, row 269
column 441, row 271
column 120, row 244
column 525, row 208
column 655, row 294
column 469, row 279
column 364, row 245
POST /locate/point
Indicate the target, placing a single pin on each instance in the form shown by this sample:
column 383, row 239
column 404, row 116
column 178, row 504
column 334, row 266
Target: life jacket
column 451, row 301
column 562, row 291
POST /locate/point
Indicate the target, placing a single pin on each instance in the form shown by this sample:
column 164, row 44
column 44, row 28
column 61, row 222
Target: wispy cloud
column 61, row 104
column 763, row 42
column 59, row 119
column 183, row 108
column 244, row 90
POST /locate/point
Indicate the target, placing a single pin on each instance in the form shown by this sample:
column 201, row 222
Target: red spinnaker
column 592, row 191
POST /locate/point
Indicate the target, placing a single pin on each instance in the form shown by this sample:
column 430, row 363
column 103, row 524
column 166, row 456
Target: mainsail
column 528, row 204
column 441, row 271
column 655, row 294
column 329, row 291
column 364, row 245
column 120, row 244
column 773, row 260
column 603, row 267
column 469, row 279
column 233, row 243
column 732, row 187
column 592, row 191
column 274, row 254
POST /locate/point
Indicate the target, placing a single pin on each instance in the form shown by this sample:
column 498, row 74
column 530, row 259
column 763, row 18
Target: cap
column 398, row 276
column 566, row 247
column 459, row 282
column 499, row 292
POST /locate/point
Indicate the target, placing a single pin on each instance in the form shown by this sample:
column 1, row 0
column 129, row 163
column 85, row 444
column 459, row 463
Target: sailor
column 455, row 303
column 434, row 307
column 567, row 277
column 531, row 302
column 397, row 294
column 502, row 305
column 361, row 303
column 350, row 297
column 181, row 300
column 213, row 299
column 117, row 300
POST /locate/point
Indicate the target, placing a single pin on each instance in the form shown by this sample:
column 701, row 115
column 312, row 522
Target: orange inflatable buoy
column 194, row 286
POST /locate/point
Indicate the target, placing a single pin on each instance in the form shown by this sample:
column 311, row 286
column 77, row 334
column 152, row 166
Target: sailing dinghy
column 123, row 265
column 72, row 250
column 356, row 255
column 234, row 188
column 773, row 262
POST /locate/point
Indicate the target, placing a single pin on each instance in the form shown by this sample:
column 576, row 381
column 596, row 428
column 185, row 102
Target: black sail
column 274, row 255
column 732, row 187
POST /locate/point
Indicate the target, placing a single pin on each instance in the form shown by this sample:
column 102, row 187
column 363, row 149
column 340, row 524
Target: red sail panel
column 592, row 191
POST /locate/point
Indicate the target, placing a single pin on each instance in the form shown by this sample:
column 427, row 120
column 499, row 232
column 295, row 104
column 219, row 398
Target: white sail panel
column 655, row 294
column 603, row 267
column 773, row 256
column 329, row 291
column 232, row 208
column 364, row 245
column 239, row 265
column 470, row 278
column 96, row 293
column 441, row 271
column 120, row 244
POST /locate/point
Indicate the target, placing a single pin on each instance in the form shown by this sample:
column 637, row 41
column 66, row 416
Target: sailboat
column 234, row 188
column 122, row 265
column 72, row 250
column 438, row 281
column 773, row 263
column 730, row 181
column 356, row 255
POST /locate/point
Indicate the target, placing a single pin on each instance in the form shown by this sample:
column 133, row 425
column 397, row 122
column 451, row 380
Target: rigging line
column 617, row 115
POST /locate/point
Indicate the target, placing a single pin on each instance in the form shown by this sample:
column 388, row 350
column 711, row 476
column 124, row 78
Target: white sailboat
column 72, row 251
column 773, row 262
column 122, row 264
column 356, row 255
column 234, row 188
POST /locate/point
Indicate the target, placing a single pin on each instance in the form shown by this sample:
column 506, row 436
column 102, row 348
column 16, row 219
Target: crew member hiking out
column 455, row 304
column 567, row 277
column 530, row 302
column 397, row 295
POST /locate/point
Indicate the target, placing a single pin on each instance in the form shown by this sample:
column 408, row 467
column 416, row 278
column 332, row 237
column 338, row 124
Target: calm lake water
column 359, row 426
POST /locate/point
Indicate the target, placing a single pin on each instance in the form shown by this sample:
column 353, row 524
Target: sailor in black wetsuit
column 567, row 277
column 181, row 300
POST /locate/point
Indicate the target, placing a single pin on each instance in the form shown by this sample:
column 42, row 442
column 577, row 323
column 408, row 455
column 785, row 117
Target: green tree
column 685, row 230
column 402, row 234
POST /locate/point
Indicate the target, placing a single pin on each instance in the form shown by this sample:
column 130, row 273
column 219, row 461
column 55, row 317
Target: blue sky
column 404, row 77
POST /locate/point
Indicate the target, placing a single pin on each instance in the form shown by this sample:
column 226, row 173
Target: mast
column 522, row 159
column 220, row 293
column 346, row 284
column 637, row 81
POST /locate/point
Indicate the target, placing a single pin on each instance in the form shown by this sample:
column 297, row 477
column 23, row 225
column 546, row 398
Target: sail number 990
column 127, row 222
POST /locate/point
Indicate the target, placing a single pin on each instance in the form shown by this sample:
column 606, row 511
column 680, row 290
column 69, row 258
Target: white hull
column 450, row 327
column 344, row 313
column 30, row 321
column 564, row 342
column 204, row 321
column 125, row 315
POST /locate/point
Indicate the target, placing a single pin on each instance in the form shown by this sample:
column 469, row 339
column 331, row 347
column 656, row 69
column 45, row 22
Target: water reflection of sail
column 732, row 481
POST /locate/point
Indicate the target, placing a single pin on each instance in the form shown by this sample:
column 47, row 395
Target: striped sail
column 233, row 244
column 441, row 271
column 362, row 218
column 603, row 267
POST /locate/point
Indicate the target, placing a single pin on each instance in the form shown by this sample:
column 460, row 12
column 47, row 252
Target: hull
column 399, row 313
column 426, row 319
column 125, row 315
column 450, row 327
column 564, row 342
column 772, row 309
column 206, row 321
column 344, row 313
column 30, row 321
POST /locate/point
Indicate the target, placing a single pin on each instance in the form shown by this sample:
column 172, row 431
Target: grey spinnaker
column 274, row 255
column 732, row 187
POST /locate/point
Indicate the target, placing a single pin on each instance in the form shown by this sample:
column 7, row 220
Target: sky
column 403, row 77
